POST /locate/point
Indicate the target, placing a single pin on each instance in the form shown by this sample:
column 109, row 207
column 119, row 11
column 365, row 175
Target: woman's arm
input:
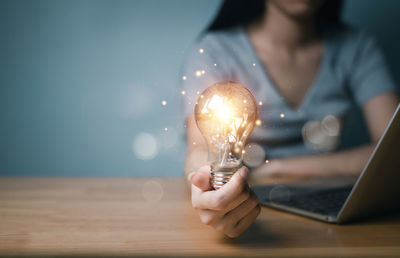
column 377, row 112
column 196, row 154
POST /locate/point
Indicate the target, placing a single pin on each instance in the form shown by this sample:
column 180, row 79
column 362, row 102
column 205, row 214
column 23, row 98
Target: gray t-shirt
column 351, row 72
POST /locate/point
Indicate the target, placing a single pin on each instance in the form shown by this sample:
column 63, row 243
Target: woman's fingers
column 242, row 210
column 245, row 222
column 210, row 217
column 230, row 209
column 235, row 189
column 236, row 221
column 228, row 223
column 226, row 198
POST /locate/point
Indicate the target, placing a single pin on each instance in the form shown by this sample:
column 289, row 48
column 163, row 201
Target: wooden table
column 153, row 217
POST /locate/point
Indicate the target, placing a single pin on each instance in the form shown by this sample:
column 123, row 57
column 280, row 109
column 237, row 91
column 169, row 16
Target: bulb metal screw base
column 218, row 179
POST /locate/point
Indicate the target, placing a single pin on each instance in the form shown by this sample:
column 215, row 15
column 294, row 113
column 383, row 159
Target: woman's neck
column 283, row 31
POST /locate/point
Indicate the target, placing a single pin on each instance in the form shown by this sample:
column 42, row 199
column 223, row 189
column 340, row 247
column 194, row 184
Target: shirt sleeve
column 203, row 67
column 369, row 75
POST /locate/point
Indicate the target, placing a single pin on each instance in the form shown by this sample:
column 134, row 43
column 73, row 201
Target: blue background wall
column 81, row 82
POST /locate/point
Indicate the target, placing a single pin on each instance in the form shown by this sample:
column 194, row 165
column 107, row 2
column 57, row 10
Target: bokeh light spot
column 331, row 124
column 322, row 135
column 254, row 155
column 145, row 146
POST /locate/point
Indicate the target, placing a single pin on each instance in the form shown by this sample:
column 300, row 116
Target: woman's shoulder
column 348, row 45
column 220, row 39
column 345, row 36
column 222, row 35
column 216, row 47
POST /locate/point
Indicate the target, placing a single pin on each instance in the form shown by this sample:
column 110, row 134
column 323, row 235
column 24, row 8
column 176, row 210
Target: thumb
column 230, row 191
column 201, row 178
column 237, row 183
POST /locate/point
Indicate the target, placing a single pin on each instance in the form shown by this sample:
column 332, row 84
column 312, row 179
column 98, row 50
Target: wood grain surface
column 153, row 217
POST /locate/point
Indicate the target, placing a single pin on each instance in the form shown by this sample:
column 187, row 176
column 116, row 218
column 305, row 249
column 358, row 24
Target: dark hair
column 240, row 12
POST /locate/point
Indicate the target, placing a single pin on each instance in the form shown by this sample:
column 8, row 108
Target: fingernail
column 244, row 173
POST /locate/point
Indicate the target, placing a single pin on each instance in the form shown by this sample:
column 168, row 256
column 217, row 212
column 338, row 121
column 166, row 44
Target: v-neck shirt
column 351, row 72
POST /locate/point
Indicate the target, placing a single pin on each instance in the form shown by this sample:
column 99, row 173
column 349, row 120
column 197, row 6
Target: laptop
column 376, row 191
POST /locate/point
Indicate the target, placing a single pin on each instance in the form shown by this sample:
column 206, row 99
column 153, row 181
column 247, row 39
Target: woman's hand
column 230, row 209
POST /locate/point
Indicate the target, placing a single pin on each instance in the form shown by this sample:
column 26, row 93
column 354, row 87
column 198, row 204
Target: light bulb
column 226, row 114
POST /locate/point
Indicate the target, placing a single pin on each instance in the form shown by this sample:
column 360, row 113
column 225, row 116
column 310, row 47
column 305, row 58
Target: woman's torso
column 315, row 125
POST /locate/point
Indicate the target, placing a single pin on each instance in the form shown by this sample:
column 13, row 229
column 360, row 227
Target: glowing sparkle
column 184, row 78
column 198, row 92
column 203, row 72
column 215, row 65
column 282, row 115
column 258, row 122
column 166, row 129
column 194, row 143
column 260, row 103
column 201, row 96
column 244, row 101
column 164, row 102
column 197, row 73
column 254, row 64
column 183, row 92
column 243, row 151
column 201, row 50
column 266, row 161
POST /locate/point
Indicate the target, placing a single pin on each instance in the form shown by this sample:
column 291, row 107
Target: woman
column 303, row 65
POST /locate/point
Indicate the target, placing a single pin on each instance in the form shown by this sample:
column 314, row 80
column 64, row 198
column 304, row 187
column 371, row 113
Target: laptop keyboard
column 326, row 202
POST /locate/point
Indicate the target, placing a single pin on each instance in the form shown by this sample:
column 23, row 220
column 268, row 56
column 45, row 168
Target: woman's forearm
column 196, row 157
column 348, row 162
